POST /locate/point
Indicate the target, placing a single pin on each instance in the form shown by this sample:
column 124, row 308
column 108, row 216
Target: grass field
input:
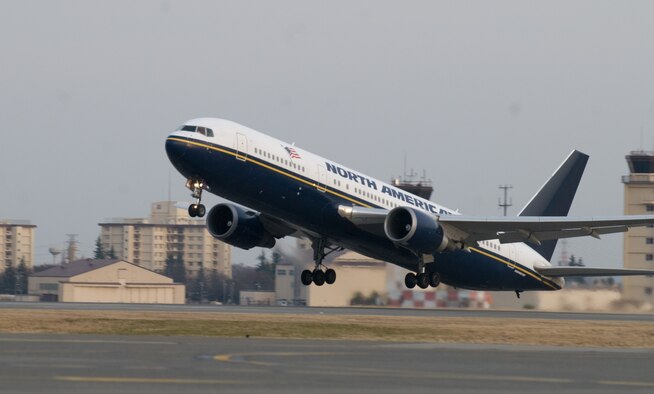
column 379, row 328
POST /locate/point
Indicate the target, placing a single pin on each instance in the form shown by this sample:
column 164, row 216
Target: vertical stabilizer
column 556, row 195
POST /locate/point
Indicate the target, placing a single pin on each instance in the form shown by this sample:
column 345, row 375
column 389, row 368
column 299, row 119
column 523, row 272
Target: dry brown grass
column 382, row 328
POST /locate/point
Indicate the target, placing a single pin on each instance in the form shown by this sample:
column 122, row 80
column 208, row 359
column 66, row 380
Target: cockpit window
column 199, row 129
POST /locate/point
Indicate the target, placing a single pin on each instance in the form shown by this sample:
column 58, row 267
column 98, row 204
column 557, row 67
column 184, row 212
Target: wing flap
column 538, row 236
column 536, row 229
column 588, row 271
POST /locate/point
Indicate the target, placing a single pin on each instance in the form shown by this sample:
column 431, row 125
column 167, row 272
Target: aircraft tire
column 410, row 280
column 306, row 277
column 434, row 279
column 330, row 276
column 318, row 277
column 201, row 210
column 193, row 210
column 423, row 281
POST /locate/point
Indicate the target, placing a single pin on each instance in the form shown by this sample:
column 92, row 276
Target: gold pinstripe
column 327, row 189
column 292, row 176
column 515, row 266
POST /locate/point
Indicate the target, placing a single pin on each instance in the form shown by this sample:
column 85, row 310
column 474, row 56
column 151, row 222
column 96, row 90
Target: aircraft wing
column 587, row 271
column 534, row 229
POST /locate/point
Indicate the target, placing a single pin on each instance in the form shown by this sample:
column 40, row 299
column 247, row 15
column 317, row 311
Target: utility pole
column 72, row 247
column 506, row 203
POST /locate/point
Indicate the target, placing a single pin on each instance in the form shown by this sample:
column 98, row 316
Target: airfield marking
column 116, row 342
column 626, row 383
column 240, row 357
column 118, row 379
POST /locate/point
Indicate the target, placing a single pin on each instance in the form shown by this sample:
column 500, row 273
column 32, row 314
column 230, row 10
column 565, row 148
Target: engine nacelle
column 238, row 227
column 415, row 230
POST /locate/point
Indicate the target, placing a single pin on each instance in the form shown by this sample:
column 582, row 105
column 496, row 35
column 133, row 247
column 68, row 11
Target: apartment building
column 16, row 243
column 169, row 230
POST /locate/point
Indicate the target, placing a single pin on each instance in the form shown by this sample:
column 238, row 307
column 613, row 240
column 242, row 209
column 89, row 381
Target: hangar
column 115, row 281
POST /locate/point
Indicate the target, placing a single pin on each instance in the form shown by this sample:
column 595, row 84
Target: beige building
column 639, row 242
column 168, row 231
column 114, row 281
column 288, row 289
column 16, row 243
column 355, row 273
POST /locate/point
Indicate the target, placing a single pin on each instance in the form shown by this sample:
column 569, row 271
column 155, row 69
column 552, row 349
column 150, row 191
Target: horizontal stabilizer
column 586, row 271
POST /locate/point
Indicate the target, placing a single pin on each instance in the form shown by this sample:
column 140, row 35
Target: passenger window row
column 375, row 197
column 279, row 159
column 492, row 245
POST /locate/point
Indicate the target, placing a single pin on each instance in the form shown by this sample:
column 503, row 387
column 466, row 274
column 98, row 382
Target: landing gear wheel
column 196, row 186
column 434, row 279
column 423, row 281
column 330, row 276
column 410, row 280
column 193, row 210
column 318, row 277
column 306, row 277
column 321, row 249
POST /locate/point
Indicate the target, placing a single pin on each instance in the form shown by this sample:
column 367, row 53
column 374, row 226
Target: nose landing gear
column 196, row 186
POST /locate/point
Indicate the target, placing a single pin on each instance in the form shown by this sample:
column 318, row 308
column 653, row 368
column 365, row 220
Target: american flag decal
column 292, row 153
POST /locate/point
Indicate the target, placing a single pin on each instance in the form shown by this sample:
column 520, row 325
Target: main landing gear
column 197, row 209
column 318, row 276
column 422, row 279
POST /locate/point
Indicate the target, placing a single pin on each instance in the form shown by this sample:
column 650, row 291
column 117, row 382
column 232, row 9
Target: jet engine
column 415, row 230
column 238, row 227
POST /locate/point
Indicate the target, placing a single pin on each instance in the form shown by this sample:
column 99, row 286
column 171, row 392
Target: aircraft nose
column 175, row 149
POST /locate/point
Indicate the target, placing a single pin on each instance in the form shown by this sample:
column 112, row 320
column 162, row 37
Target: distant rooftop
column 161, row 213
column 75, row 268
column 421, row 188
column 13, row 222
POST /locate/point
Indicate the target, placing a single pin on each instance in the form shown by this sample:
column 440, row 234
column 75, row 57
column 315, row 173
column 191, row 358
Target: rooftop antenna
column 169, row 182
column 506, row 203
column 404, row 169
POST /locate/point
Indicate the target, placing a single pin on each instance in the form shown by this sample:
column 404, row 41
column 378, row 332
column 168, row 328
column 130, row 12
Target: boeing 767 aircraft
column 291, row 192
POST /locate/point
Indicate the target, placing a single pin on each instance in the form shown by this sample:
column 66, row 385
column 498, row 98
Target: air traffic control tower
column 639, row 241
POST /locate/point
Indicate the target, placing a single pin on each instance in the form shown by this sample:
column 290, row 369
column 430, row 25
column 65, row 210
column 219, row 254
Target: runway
column 472, row 313
column 109, row 364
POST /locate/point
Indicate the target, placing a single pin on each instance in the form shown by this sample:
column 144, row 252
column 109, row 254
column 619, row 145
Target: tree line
column 14, row 279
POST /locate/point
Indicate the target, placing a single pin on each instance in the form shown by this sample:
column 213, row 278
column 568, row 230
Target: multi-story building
column 639, row 242
column 16, row 243
column 169, row 231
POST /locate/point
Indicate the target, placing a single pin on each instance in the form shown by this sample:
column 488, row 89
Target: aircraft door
column 241, row 147
column 322, row 178
column 512, row 254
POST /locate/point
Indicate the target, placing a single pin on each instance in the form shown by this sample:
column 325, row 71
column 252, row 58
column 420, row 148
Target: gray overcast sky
column 476, row 93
